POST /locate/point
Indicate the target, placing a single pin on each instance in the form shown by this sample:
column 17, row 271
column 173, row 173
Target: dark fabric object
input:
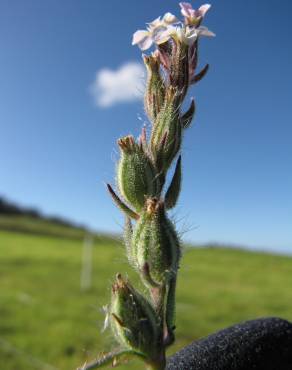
column 263, row 344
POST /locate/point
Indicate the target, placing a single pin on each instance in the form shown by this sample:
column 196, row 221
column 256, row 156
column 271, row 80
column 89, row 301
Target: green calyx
column 179, row 71
column 136, row 174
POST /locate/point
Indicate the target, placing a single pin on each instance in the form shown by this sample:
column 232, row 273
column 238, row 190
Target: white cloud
column 126, row 84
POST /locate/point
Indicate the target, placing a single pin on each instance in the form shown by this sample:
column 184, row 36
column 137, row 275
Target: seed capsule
column 133, row 319
column 155, row 243
column 136, row 174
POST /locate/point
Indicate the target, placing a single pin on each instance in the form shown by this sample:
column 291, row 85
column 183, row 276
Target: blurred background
column 71, row 84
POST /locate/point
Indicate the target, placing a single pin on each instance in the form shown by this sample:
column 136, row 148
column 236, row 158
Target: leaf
column 173, row 191
column 170, row 311
column 188, row 116
column 123, row 207
column 128, row 233
column 200, row 75
column 147, row 276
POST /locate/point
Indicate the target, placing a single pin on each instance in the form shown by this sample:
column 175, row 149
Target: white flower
column 145, row 38
column 193, row 16
column 185, row 35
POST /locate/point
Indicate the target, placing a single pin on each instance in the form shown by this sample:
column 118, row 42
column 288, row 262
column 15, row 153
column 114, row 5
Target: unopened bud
column 155, row 243
column 136, row 174
column 155, row 88
column 166, row 135
column 133, row 319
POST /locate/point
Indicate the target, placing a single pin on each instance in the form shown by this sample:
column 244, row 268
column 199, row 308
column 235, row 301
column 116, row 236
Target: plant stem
column 155, row 367
column 158, row 298
column 159, row 363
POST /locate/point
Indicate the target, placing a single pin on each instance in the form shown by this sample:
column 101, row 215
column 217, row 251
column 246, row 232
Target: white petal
column 139, row 36
column 169, row 18
column 162, row 37
column 145, row 43
column 154, row 24
column 203, row 9
column 157, row 31
column 204, row 31
column 190, row 40
column 142, row 39
column 188, row 36
column 179, row 34
column 186, row 9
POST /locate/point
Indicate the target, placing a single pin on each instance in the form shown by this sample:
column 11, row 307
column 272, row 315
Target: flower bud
column 133, row 319
column 136, row 174
column 166, row 135
column 155, row 243
column 155, row 88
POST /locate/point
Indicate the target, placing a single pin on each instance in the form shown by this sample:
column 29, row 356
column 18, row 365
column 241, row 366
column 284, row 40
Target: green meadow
column 47, row 322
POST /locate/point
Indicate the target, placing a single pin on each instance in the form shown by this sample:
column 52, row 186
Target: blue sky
column 58, row 147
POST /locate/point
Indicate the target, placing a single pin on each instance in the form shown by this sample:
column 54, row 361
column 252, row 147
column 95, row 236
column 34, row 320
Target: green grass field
column 46, row 320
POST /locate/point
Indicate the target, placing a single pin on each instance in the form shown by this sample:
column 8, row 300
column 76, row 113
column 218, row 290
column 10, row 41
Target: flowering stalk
column 144, row 325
